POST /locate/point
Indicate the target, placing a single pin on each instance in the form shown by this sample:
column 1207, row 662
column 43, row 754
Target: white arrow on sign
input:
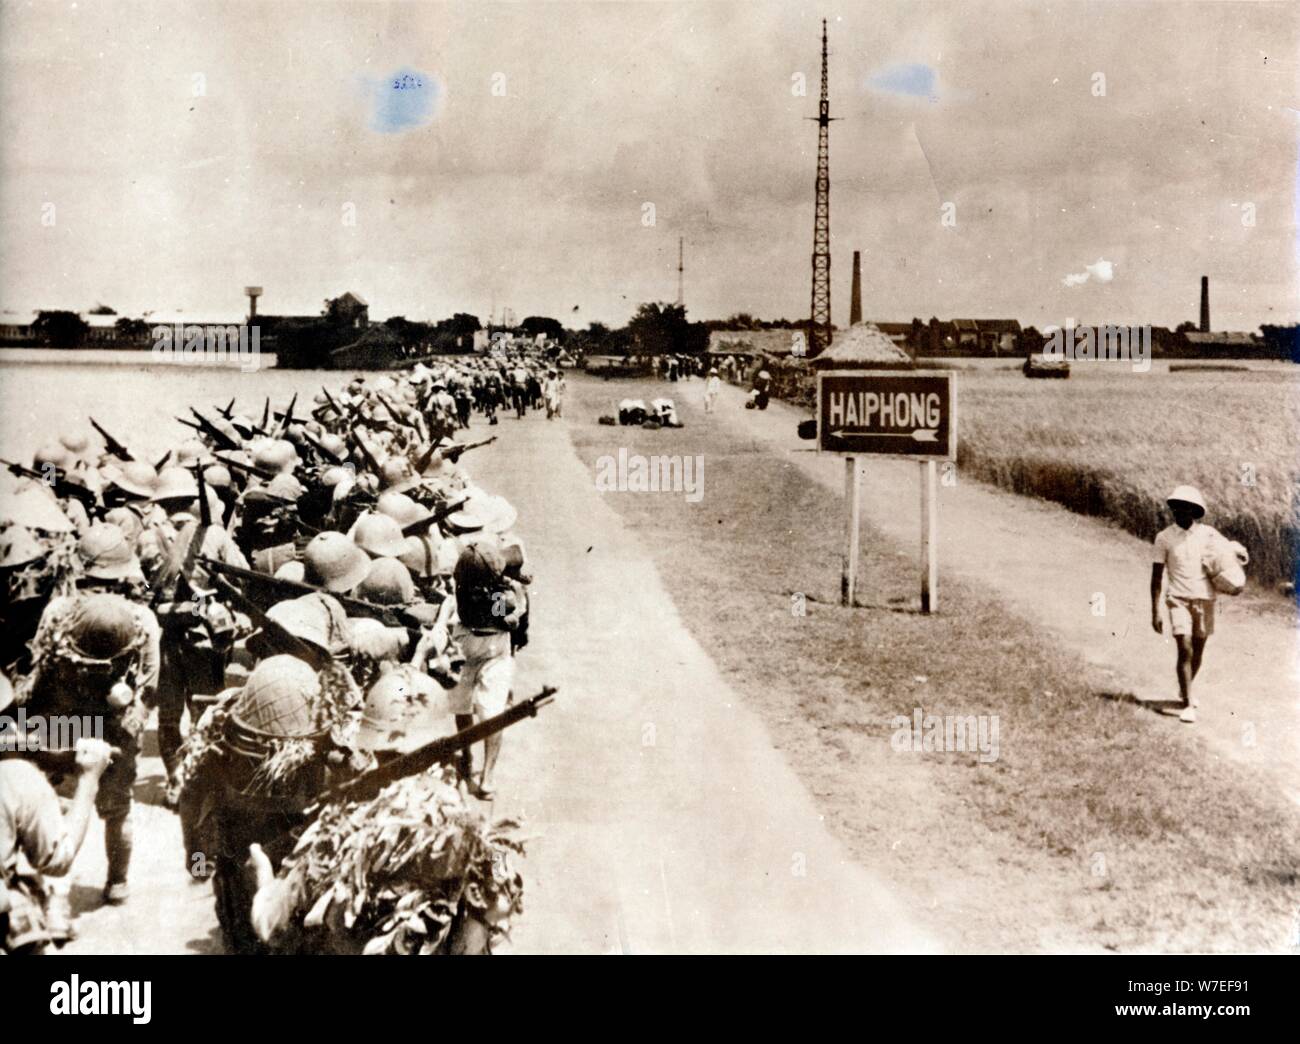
column 919, row 435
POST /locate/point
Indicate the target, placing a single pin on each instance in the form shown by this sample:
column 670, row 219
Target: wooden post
column 929, row 539
column 852, row 525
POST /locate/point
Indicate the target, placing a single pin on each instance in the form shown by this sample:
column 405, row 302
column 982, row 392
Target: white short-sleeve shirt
column 1181, row 552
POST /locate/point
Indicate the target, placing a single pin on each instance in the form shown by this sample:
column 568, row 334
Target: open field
column 1099, row 826
column 1112, row 443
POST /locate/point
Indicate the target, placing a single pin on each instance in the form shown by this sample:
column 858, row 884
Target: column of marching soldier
column 323, row 611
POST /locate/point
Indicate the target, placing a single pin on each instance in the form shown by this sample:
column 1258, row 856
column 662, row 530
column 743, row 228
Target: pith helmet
column 107, row 554
column 127, row 521
column 35, row 507
column 102, row 627
column 333, row 562
column 217, row 476
column 388, row 583
column 51, row 453
column 281, row 698
column 479, row 565
column 315, row 618
column 76, row 443
column 378, row 535
column 429, row 555
column 401, row 508
column 286, row 486
column 176, row 483
column 485, row 511
column 405, row 709
column 18, row 547
column 135, row 477
column 275, row 455
column 397, row 475
column 1187, row 495
column 333, row 444
column 192, row 451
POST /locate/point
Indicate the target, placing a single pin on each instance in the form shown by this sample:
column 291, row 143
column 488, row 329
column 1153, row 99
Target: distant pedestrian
column 711, row 389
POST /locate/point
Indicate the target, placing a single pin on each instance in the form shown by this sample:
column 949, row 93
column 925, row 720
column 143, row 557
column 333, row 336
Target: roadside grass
column 1099, row 826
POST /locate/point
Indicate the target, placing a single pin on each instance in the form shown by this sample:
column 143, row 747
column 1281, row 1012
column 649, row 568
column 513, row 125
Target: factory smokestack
column 1205, row 304
column 855, row 299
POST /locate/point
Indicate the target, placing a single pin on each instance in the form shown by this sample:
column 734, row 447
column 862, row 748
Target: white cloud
column 1101, row 270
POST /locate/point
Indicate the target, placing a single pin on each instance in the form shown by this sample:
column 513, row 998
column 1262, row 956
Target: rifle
column 392, row 412
column 247, row 469
column 332, row 457
column 452, row 453
column 205, row 509
column 281, row 589
column 426, row 456
column 62, row 486
column 288, row 414
column 422, row 526
column 218, row 436
column 111, row 444
column 229, row 411
column 158, row 464
column 334, row 405
column 266, row 412
column 440, row 751
column 371, row 463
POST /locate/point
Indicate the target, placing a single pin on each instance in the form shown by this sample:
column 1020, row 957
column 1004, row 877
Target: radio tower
column 681, row 300
column 819, row 322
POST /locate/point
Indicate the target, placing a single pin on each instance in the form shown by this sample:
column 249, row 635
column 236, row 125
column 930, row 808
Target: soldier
column 489, row 607
column 273, row 742
column 197, row 631
column 95, row 656
column 37, row 840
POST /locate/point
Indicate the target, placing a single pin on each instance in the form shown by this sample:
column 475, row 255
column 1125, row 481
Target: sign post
column 889, row 413
column 929, row 539
column 853, row 526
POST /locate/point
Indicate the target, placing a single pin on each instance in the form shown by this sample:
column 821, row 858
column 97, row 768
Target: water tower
column 253, row 292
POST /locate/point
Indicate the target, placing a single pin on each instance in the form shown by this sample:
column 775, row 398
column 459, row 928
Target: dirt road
column 663, row 818
column 1049, row 565
column 666, row 820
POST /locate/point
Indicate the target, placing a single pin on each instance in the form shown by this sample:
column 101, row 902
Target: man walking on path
column 1180, row 551
column 711, row 389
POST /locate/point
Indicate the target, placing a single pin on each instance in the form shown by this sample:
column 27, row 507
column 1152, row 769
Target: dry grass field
column 1114, row 444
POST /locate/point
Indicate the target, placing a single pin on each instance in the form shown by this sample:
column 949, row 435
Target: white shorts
column 488, row 675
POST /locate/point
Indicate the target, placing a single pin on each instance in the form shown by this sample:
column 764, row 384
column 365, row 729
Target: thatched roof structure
column 862, row 347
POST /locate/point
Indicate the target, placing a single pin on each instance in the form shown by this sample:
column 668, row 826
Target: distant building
column 103, row 329
column 16, row 327
column 969, row 337
column 350, row 309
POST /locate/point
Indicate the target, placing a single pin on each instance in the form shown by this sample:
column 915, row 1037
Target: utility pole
column 681, row 298
column 819, row 321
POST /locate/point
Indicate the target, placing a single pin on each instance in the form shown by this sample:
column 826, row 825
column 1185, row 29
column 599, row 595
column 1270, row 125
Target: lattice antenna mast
column 819, row 321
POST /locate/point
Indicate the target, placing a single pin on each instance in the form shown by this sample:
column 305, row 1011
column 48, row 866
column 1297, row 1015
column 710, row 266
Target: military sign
column 889, row 413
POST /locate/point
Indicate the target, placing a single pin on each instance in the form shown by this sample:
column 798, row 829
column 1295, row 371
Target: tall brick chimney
column 855, row 300
column 1205, row 304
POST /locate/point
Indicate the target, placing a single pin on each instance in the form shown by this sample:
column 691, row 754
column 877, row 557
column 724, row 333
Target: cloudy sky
column 1093, row 160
